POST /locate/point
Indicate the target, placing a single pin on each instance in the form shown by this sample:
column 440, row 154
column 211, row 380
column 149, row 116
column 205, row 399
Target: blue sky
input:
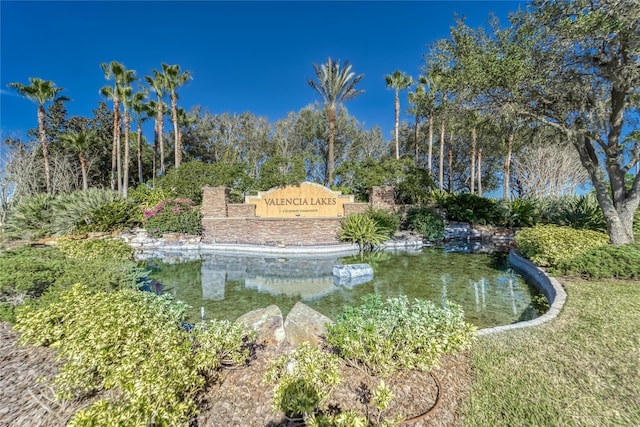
column 244, row 56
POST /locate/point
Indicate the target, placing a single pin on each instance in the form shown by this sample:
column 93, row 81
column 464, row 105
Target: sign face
column 307, row 200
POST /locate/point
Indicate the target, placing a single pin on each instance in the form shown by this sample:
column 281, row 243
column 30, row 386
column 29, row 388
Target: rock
column 304, row 324
column 352, row 271
column 267, row 322
column 350, row 282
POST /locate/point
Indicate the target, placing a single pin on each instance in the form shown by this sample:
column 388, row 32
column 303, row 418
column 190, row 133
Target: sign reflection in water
column 231, row 285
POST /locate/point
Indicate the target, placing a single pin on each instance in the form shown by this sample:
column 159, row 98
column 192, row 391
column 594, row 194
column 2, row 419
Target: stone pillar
column 382, row 197
column 214, row 202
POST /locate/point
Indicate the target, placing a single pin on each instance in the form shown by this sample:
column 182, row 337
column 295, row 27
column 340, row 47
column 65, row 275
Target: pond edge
column 549, row 286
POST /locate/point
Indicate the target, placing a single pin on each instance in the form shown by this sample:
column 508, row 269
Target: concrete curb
column 548, row 285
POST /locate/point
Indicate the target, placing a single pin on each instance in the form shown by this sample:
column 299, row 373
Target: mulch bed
column 239, row 397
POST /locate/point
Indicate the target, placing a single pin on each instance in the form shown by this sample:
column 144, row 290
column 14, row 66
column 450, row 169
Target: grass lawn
column 581, row 369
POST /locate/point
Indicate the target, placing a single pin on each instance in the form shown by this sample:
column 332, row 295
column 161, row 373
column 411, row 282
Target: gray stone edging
column 548, row 285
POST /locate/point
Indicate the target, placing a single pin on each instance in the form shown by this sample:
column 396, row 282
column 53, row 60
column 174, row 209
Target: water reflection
column 230, row 285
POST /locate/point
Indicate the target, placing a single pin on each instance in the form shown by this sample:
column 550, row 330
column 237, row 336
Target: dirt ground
column 239, row 397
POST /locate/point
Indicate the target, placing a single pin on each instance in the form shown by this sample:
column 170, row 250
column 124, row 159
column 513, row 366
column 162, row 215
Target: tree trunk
column 116, row 138
column 45, row 149
column 332, row 135
column 474, row 140
column 480, row 171
column 618, row 210
column 451, row 169
column 441, row 168
column 83, row 168
column 160, row 123
column 430, row 153
column 125, row 172
column 176, row 132
column 507, row 165
column 139, row 141
column 397, row 108
column 416, row 133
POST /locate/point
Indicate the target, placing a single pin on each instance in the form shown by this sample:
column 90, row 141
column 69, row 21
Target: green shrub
column 7, row 312
column 547, row 245
column 70, row 211
column 581, row 212
column 605, row 262
column 363, row 230
column 397, row 334
column 31, row 218
column 427, row 222
column 88, row 249
column 388, row 222
column 28, row 271
column 101, row 274
column 518, row 212
column 303, row 380
column 146, row 197
column 131, row 342
column 114, row 216
column 466, row 207
column 173, row 216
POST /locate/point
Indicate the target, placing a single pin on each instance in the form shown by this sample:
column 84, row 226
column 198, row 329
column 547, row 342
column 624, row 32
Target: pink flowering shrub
column 173, row 216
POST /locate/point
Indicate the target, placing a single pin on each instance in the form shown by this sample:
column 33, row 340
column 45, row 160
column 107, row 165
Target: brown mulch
column 239, row 397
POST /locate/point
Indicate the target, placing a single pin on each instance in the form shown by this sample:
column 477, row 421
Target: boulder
column 350, row 282
column 304, row 324
column 352, row 271
column 267, row 322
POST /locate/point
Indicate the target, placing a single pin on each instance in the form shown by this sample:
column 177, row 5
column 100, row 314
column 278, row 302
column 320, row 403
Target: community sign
column 307, row 200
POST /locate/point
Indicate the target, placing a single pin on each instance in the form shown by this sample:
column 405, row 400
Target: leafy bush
column 396, row 335
column 31, row 218
column 279, row 171
column 101, row 274
column 173, row 216
column 114, row 216
column 70, row 211
column 518, row 212
column 303, row 380
column 466, row 207
column 388, row 222
column 146, row 197
column 362, row 229
column 547, row 245
column 88, row 249
column 131, row 342
column 605, row 262
column 427, row 222
column 28, row 271
column 188, row 180
column 581, row 212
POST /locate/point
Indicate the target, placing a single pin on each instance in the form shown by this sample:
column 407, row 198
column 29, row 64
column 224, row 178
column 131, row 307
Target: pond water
column 227, row 286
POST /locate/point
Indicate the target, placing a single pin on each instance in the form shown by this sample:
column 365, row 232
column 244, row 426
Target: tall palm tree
column 41, row 91
column 158, row 85
column 121, row 77
column 80, row 143
column 398, row 81
column 127, row 99
column 335, row 85
column 174, row 78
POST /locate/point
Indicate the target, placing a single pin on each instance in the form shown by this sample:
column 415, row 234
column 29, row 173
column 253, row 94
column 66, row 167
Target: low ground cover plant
column 548, row 245
column 603, row 262
column 398, row 334
column 130, row 342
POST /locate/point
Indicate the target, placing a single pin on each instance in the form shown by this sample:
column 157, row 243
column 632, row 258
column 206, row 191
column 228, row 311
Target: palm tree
column 158, row 85
column 127, row 99
column 398, row 81
column 41, row 91
column 173, row 79
column 335, row 85
column 79, row 143
column 122, row 77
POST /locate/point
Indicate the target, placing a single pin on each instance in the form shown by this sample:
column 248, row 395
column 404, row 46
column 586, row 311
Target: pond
column 226, row 286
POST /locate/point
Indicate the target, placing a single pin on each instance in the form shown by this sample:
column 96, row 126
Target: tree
column 173, row 79
column 80, row 143
column 335, row 85
column 158, row 85
column 398, row 81
column 41, row 91
column 141, row 112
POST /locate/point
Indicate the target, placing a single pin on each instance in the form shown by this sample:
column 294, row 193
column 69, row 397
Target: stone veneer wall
column 223, row 222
